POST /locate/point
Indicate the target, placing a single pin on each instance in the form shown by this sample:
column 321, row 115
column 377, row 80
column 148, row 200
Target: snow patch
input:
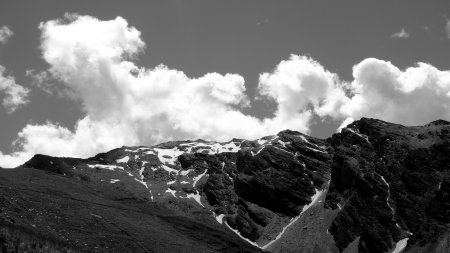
column 388, row 197
column 230, row 147
column 195, row 197
column 168, row 169
column 185, row 172
column 150, row 152
column 243, row 238
column 123, row 160
column 142, row 182
column 283, row 143
column 360, row 135
column 259, row 151
column 219, row 218
column 168, row 156
column 151, row 195
column 171, row 192
column 197, row 178
column 315, row 150
column 141, row 172
column 400, row 245
column 304, row 139
column 198, row 147
column 281, row 150
column 217, row 148
column 106, row 167
column 262, row 141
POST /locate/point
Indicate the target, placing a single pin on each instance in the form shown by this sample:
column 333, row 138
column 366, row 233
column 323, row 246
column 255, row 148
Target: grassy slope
column 96, row 217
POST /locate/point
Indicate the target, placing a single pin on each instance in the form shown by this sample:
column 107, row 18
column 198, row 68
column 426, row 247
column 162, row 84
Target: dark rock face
column 264, row 184
column 369, row 188
column 275, row 183
column 389, row 182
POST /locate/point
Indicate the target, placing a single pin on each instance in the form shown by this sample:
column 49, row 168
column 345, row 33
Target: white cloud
column 403, row 34
column 14, row 95
column 301, row 86
column 414, row 96
column 5, row 34
column 13, row 160
column 128, row 105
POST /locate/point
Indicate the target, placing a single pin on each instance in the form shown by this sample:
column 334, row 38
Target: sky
column 82, row 77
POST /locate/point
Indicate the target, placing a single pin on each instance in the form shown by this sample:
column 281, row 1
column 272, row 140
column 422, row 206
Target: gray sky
column 243, row 37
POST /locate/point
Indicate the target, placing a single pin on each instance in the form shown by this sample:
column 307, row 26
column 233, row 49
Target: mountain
column 374, row 187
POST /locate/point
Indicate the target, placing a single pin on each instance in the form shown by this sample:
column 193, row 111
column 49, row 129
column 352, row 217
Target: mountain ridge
column 358, row 191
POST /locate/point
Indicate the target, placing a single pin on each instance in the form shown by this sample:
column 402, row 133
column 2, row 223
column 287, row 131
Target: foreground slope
column 374, row 187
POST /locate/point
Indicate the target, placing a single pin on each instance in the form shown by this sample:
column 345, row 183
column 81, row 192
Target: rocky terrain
column 374, row 187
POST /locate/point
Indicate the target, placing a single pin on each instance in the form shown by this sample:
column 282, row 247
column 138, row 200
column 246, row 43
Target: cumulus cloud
column 125, row 104
column 128, row 105
column 13, row 94
column 402, row 34
column 5, row 34
column 414, row 96
column 301, row 86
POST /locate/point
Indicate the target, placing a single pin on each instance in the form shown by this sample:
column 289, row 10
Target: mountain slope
column 391, row 184
column 374, row 187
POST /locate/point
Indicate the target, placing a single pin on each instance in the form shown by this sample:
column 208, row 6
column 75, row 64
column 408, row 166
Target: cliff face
column 391, row 183
column 374, row 187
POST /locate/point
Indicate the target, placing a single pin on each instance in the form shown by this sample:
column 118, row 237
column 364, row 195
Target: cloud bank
column 128, row 105
column 125, row 104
